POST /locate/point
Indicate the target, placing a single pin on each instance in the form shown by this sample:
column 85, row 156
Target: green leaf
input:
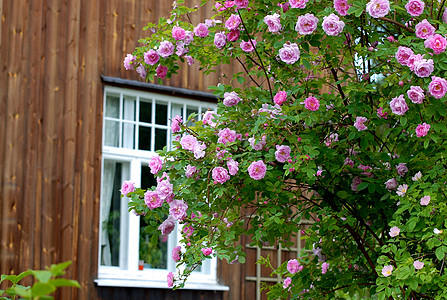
column 439, row 253
column 41, row 289
column 362, row 186
column 42, row 276
column 58, row 282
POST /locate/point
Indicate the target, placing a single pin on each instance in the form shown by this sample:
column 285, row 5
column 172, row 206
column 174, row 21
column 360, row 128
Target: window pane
column 176, row 109
column 189, row 111
column 160, row 138
column 111, row 133
column 145, row 111
column 110, row 214
column 129, row 108
column 161, row 113
column 112, row 106
column 144, row 138
column 128, row 136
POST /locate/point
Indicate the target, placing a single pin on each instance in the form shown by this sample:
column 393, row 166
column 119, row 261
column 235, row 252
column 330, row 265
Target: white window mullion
column 133, row 231
column 120, row 124
column 152, row 125
column 137, row 125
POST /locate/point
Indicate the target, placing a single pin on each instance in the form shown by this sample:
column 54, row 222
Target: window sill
column 158, row 284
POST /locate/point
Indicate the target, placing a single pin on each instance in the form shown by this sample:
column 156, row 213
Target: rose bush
column 341, row 120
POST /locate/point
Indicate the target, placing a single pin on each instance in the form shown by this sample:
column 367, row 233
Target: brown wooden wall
column 52, row 54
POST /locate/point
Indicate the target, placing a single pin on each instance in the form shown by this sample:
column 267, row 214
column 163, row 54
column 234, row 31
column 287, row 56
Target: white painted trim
column 159, row 284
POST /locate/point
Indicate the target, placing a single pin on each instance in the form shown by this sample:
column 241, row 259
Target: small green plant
column 45, row 283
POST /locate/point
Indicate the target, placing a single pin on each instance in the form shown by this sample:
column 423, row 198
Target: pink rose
column 188, row 142
column 165, row 190
column 298, row 3
column 128, row 61
column 282, row 153
column 402, row 169
column 359, row 123
column 241, row 3
column 306, row 24
column 199, row 150
column 437, row 87
column 177, row 209
column 324, row 267
column 422, row 129
column 233, row 35
column 175, row 127
column 248, row 46
column 289, row 53
column 208, row 118
column 378, row 8
column 167, row 226
column 341, row 7
column 220, row 40
column 260, row 143
column 391, row 184
column 176, row 253
column 436, row 42
column 424, row 29
column 162, row 71
column 287, row 283
column 166, row 49
column 189, row 60
column 416, row 94
column 425, row 200
column 424, row 67
column 293, row 266
column 170, row 279
column 444, row 16
column 394, row 231
column 257, row 170
column 127, row 187
column 415, row 7
column 152, row 200
column 220, row 175
column 381, row 113
column 141, row 71
column 233, row 22
column 413, row 60
column 387, row 270
column 151, row 57
column 207, row 251
column 201, row 30
column 189, row 37
column 231, row 99
column 273, row 22
column 178, row 33
column 355, row 183
column 233, row 167
column 155, row 164
column 332, row 25
column 311, row 103
column 398, row 105
column 280, row 97
column 190, row 171
column 418, row 264
column 226, row 135
column 403, row 54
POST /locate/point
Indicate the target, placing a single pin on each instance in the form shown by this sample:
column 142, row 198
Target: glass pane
column 176, row 109
column 147, row 178
column 145, row 111
column 153, row 248
column 160, row 138
column 112, row 106
column 128, row 136
column 111, row 133
column 129, row 108
column 144, row 138
column 189, row 111
column 161, row 113
column 110, row 214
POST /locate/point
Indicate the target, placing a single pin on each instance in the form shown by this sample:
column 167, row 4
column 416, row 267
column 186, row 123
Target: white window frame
column 127, row 273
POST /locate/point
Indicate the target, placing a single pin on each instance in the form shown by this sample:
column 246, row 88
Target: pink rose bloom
column 418, row 265
column 359, row 123
column 280, row 97
column 381, row 113
column 293, row 266
column 181, row 49
column 207, row 251
column 199, row 150
column 248, row 46
column 282, row 153
column 341, row 7
column 424, row 29
column 190, row 171
column 201, row 30
column 436, row 42
column 306, row 24
column 231, row 99
column 298, row 3
column 402, row 169
column 164, row 190
column 259, row 145
column 226, row 135
column 391, row 184
column 387, row 270
column 176, row 253
column 220, row 40
column 128, row 61
column 398, row 105
column 287, row 282
column 257, row 170
column 402, row 190
column 233, row 22
column 424, row 67
column 208, row 118
column 403, row 54
column 189, row 60
column 394, row 231
column 151, row 57
column 415, row 7
column 378, row 8
column 141, row 71
column 175, row 127
column 413, row 60
column 416, row 94
column 233, row 35
column 220, row 175
column 177, row 209
column 162, row 71
column 273, row 22
column 152, row 200
column 444, row 16
column 311, row 103
column 355, row 183
column 167, row 226
column 166, row 49
column 155, row 164
column 233, row 166
column 170, row 279
column 188, row 142
column 289, row 53
column 189, row 37
column 332, row 25
column 422, row 129
column 324, row 267
column 127, row 187
column 437, row 87
column 178, row 33
column 241, row 3
column 425, row 200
